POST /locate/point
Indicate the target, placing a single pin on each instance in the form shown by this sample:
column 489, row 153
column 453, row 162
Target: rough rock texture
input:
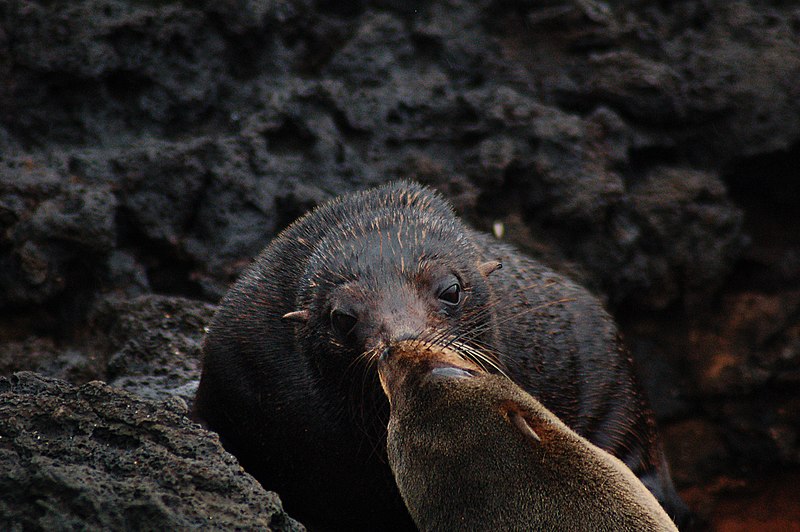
column 651, row 150
column 99, row 458
column 155, row 344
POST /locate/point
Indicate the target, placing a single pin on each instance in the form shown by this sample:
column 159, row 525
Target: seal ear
column 297, row 315
column 522, row 424
column 489, row 267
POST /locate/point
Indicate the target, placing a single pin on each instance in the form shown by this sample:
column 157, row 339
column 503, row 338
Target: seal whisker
column 485, row 310
column 436, row 336
column 520, row 290
column 444, row 338
column 483, row 360
column 475, row 331
column 365, row 412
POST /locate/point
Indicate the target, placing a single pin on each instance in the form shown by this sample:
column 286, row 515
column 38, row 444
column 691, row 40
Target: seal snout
column 412, row 362
column 400, row 360
column 388, row 371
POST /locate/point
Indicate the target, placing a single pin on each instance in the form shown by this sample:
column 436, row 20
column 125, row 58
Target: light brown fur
column 463, row 462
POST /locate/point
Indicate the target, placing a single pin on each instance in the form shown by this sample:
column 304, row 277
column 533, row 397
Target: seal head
column 398, row 277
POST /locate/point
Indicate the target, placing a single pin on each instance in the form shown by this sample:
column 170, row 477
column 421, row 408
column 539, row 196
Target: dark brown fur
column 473, row 451
column 298, row 401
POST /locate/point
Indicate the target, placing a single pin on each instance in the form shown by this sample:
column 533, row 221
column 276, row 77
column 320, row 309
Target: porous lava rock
column 94, row 457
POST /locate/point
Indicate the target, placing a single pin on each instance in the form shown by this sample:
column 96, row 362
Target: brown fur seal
column 289, row 379
column 473, row 451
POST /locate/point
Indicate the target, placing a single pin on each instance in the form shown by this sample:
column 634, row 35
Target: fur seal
column 289, row 379
column 473, row 451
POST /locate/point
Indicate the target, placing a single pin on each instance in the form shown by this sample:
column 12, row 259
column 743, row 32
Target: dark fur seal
column 289, row 378
column 473, row 451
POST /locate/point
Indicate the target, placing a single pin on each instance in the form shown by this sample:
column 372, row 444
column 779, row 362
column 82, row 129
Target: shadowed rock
column 93, row 457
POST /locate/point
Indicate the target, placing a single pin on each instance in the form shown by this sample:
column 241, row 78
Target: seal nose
column 404, row 316
column 394, row 331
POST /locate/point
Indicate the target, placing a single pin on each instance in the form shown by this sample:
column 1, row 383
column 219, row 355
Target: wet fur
column 304, row 413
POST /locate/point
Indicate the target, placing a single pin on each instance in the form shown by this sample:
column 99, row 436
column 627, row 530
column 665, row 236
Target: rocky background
column 149, row 149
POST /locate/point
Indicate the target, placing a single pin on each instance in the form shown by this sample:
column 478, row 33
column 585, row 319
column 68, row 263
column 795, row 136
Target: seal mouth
column 417, row 360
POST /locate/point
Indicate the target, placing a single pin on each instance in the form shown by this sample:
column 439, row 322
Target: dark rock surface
column 94, row 457
column 155, row 344
column 148, row 150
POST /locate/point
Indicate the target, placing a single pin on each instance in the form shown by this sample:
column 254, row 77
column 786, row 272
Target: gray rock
column 94, row 457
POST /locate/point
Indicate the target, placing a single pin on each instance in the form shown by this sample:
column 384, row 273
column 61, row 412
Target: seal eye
column 451, row 295
column 342, row 322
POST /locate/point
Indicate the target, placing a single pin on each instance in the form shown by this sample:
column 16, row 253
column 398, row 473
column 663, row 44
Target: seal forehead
column 393, row 240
